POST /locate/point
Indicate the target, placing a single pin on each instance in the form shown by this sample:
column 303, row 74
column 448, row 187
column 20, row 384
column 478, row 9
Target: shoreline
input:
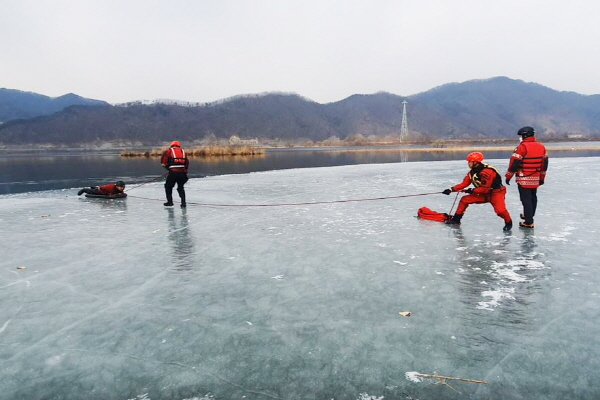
column 365, row 149
column 262, row 151
column 465, row 149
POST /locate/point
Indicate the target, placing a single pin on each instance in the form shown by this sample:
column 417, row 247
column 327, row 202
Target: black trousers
column 529, row 201
column 91, row 190
column 179, row 178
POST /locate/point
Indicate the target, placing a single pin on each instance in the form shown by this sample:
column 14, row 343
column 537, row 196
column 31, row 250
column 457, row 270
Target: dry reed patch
column 201, row 151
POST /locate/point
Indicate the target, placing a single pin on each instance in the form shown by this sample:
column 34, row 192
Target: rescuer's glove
column 447, row 191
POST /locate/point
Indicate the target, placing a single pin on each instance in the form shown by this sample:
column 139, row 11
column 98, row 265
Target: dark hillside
column 495, row 106
column 491, row 108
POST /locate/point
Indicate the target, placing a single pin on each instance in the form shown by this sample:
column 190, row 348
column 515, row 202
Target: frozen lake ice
column 125, row 299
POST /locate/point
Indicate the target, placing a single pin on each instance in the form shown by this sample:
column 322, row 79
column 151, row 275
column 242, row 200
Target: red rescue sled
column 426, row 213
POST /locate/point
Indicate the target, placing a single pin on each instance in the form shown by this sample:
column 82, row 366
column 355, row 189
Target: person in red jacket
column 177, row 163
column 530, row 163
column 488, row 189
column 111, row 189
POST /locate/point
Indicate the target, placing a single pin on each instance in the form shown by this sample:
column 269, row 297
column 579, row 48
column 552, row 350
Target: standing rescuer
column 177, row 163
column 530, row 163
column 488, row 189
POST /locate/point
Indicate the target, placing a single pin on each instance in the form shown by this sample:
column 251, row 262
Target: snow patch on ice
column 205, row 397
column 509, row 271
column 365, row 396
column 507, row 274
column 141, row 397
column 474, row 258
column 510, row 274
column 413, row 376
column 496, row 297
column 146, row 397
column 561, row 236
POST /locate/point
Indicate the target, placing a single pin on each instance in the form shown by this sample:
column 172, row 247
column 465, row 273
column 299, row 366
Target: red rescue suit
column 529, row 162
column 488, row 189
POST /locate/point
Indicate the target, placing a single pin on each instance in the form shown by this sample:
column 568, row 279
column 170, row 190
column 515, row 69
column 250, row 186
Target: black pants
column 91, row 190
column 179, row 178
column 529, row 201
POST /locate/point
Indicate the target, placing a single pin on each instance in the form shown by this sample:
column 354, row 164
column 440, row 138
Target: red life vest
column 533, row 164
column 176, row 158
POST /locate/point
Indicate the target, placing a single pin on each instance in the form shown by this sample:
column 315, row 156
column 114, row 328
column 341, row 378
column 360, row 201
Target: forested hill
column 493, row 108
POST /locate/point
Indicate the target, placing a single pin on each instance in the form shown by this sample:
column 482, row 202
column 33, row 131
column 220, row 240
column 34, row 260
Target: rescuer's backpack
column 431, row 215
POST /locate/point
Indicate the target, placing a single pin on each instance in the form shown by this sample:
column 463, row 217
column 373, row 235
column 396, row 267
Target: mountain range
column 16, row 104
column 476, row 109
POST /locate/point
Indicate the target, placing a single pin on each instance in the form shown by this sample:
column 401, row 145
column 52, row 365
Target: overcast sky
column 324, row 50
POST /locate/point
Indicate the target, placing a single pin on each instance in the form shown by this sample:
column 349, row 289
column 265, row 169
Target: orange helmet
column 475, row 156
column 175, row 143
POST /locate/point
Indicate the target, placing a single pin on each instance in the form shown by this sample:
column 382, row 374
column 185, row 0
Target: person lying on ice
column 488, row 189
column 112, row 189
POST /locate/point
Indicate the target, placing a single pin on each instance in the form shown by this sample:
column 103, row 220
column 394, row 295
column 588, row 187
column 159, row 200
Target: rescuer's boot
column 525, row 225
column 455, row 220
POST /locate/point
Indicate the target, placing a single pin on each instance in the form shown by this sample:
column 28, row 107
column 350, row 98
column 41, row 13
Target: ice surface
column 125, row 299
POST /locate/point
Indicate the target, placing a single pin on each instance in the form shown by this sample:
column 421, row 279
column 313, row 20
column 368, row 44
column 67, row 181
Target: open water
column 35, row 171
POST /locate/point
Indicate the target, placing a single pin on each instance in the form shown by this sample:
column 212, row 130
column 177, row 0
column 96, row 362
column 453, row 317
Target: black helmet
column 120, row 183
column 526, row 131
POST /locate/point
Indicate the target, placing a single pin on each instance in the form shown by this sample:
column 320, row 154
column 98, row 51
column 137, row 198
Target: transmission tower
column 404, row 127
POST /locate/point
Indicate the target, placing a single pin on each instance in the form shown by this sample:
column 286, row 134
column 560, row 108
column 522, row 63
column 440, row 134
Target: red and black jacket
column 529, row 162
